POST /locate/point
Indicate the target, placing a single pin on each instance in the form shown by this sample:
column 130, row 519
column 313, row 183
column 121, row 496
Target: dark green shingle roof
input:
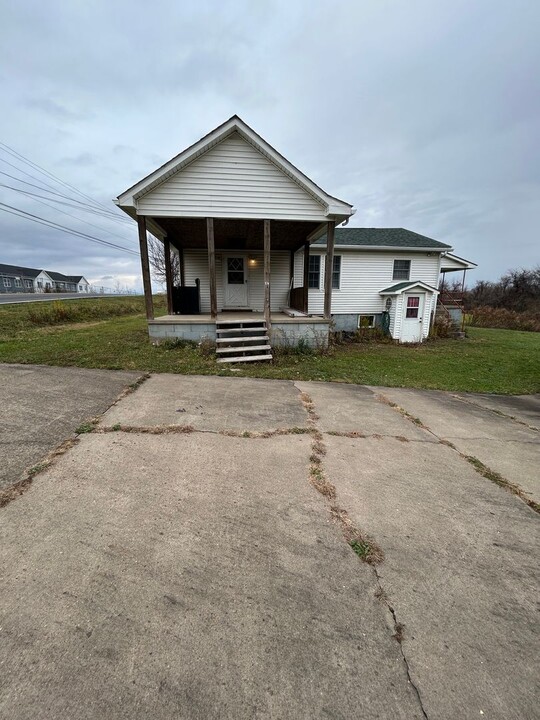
column 382, row 237
column 405, row 284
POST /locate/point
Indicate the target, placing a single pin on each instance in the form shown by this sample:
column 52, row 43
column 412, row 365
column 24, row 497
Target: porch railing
column 298, row 299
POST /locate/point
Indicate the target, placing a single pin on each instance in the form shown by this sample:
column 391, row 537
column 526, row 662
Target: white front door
column 413, row 316
column 236, row 285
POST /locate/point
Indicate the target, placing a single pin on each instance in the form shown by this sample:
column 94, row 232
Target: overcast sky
column 423, row 114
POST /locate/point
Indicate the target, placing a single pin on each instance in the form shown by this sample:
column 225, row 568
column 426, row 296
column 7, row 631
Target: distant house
column 17, row 279
column 68, row 283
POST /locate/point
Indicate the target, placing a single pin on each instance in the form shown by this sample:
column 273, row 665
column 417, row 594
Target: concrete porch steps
column 247, row 338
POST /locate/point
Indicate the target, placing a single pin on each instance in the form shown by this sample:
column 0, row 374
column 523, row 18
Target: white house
column 255, row 236
column 18, row 279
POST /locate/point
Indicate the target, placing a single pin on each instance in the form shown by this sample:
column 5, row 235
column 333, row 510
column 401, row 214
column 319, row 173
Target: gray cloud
column 422, row 114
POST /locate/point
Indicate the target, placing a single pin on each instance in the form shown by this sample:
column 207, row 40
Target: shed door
column 413, row 312
column 236, row 287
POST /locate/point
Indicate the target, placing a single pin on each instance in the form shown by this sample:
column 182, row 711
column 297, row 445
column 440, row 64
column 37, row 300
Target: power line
column 32, row 164
column 89, row 208
column 49, row 223
column 43, row 199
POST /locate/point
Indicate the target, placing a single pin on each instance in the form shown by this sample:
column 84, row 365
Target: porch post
column 267, row 316
column 168, row 274
column 145, row 266
column 211, row 265
column 306, row 276
column 328, row 270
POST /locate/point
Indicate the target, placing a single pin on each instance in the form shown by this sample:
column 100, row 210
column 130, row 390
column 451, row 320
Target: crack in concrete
column 370, row 552
column 19, row 487
column 494, row 410
column 399, row 638
column 479, row 466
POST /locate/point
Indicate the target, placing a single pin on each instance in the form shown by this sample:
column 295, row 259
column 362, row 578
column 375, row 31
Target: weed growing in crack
column 361, row 548
column 363, row 545
column 86, row 427
column 320, row 483
column 499, row 480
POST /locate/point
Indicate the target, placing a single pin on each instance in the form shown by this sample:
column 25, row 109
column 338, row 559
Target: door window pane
column 235, row 271
column 413, row 305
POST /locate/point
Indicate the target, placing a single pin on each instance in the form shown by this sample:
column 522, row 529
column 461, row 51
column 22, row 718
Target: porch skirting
column 286, row 331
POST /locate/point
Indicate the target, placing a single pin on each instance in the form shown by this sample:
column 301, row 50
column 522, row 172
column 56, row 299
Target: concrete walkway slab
column 211, row 403
column 42, row 406
column 356, row 408
column 505, row 446
column 191, row 576
column 525, row 408
column 449, row 417
column 460, row 571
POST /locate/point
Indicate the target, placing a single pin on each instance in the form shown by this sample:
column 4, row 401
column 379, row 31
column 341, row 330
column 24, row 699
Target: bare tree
column 156, row 256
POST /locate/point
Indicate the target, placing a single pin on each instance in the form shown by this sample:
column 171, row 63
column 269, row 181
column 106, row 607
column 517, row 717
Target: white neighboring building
column 18, row 279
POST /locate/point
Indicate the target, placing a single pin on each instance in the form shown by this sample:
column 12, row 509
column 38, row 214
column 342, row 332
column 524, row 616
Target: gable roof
column 400, row 287
column 18, row 270
column 383, row 238
column 335, row 206
column 57, row 276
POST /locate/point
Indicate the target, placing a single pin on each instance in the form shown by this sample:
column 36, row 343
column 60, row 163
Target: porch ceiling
column 237, row 234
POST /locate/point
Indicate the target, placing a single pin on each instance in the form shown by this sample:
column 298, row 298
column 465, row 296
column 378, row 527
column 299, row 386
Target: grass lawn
column 497, row 361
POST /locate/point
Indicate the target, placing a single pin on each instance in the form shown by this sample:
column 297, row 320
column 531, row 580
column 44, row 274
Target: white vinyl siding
column 196, row 266
column 232, row 179
column 363, row 275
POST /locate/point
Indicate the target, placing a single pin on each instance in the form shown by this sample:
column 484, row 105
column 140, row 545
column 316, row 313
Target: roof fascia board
column 467, row 264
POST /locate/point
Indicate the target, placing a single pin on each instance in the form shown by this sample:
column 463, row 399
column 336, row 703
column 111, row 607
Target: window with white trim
column 314, row 271
column 28, row 283
column 18, row 282
column 7, row 282
column 366, row 321
column 402, row 270
column 336, row 273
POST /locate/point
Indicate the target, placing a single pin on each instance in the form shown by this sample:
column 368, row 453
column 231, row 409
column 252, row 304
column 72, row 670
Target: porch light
column 252, row 261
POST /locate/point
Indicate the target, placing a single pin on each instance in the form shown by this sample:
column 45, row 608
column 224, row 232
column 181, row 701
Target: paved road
column 180, row 563
column 17, row 298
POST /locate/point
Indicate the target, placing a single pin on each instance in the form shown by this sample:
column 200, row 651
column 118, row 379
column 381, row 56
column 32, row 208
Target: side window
column 336, row 272
column 402, row 270
column 314, row 271
column 7, row 282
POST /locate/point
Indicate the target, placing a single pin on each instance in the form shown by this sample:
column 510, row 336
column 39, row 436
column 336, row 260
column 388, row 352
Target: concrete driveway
column 42, row 406
column 191, row 558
